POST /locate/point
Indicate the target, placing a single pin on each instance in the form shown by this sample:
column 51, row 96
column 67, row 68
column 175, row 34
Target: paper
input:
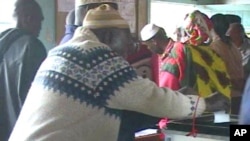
column 145, row 132
column 221, row 116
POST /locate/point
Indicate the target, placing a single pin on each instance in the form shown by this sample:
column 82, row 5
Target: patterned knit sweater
column 81, row 90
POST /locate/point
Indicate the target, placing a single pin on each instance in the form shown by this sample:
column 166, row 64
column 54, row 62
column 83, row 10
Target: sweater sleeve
column 142, row 95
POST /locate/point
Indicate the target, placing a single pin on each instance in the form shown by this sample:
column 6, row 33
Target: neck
column 164, row 44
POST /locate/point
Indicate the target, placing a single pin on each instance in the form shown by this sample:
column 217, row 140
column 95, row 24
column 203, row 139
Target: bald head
column 29, row 16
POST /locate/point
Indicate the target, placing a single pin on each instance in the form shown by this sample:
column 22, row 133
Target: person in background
column 244, row 117
column 181, row 64
column 224, row 46
column 232, row 18
column 21, row 55
column 69, row 27
column 238, row 36
column 88, row 94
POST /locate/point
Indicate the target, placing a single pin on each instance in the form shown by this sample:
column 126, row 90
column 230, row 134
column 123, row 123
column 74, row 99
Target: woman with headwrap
column 190, row 63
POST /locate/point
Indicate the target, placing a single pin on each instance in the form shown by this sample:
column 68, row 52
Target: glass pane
column 6, row 12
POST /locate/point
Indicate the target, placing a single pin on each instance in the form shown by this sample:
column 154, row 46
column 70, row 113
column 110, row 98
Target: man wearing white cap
column 85, row 86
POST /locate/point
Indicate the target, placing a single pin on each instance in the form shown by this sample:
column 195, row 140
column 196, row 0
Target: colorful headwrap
column 197, row 26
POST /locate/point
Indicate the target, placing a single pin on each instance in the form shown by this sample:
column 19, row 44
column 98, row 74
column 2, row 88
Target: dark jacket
column 17, row 70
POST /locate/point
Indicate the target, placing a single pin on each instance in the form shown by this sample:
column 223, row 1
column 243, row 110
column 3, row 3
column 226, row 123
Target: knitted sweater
column 81, row 90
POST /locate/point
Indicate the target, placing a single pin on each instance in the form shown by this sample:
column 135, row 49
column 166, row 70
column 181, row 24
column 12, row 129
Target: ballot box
column 207, row 130
column 152, row 137
column 151, row 134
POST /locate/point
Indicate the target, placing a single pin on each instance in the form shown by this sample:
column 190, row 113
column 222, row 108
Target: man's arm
column 144, row 96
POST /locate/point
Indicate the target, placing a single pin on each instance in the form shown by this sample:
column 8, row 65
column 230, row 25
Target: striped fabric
column 85, row 2
column 104, row 16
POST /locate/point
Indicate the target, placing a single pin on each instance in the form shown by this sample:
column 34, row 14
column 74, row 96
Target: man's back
column 17, row 70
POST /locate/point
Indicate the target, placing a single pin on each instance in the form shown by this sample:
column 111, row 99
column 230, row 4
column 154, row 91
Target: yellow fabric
column 217, row 66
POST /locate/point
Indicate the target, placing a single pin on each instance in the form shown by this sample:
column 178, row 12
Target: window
column 6, row 14
column 169, row 15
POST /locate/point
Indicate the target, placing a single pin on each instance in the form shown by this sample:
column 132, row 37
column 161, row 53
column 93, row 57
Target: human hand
column 217, row 102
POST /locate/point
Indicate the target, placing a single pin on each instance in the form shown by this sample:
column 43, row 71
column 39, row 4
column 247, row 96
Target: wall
column 169, row 15
column 6, row 14
column 47, row 35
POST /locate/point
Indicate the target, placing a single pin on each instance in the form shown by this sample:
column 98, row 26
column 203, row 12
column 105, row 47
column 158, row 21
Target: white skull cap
column 148, row 31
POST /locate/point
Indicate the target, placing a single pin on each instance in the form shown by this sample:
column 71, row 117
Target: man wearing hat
column 83, row 88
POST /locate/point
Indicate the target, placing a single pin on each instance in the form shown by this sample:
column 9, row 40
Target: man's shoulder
column 28, row 38
column 16, row 33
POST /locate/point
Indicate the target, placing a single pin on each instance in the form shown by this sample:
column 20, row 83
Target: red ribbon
column 194, row 131
column 163, row 124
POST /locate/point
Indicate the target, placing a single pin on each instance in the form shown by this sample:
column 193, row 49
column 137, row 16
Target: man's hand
column 217, row 102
